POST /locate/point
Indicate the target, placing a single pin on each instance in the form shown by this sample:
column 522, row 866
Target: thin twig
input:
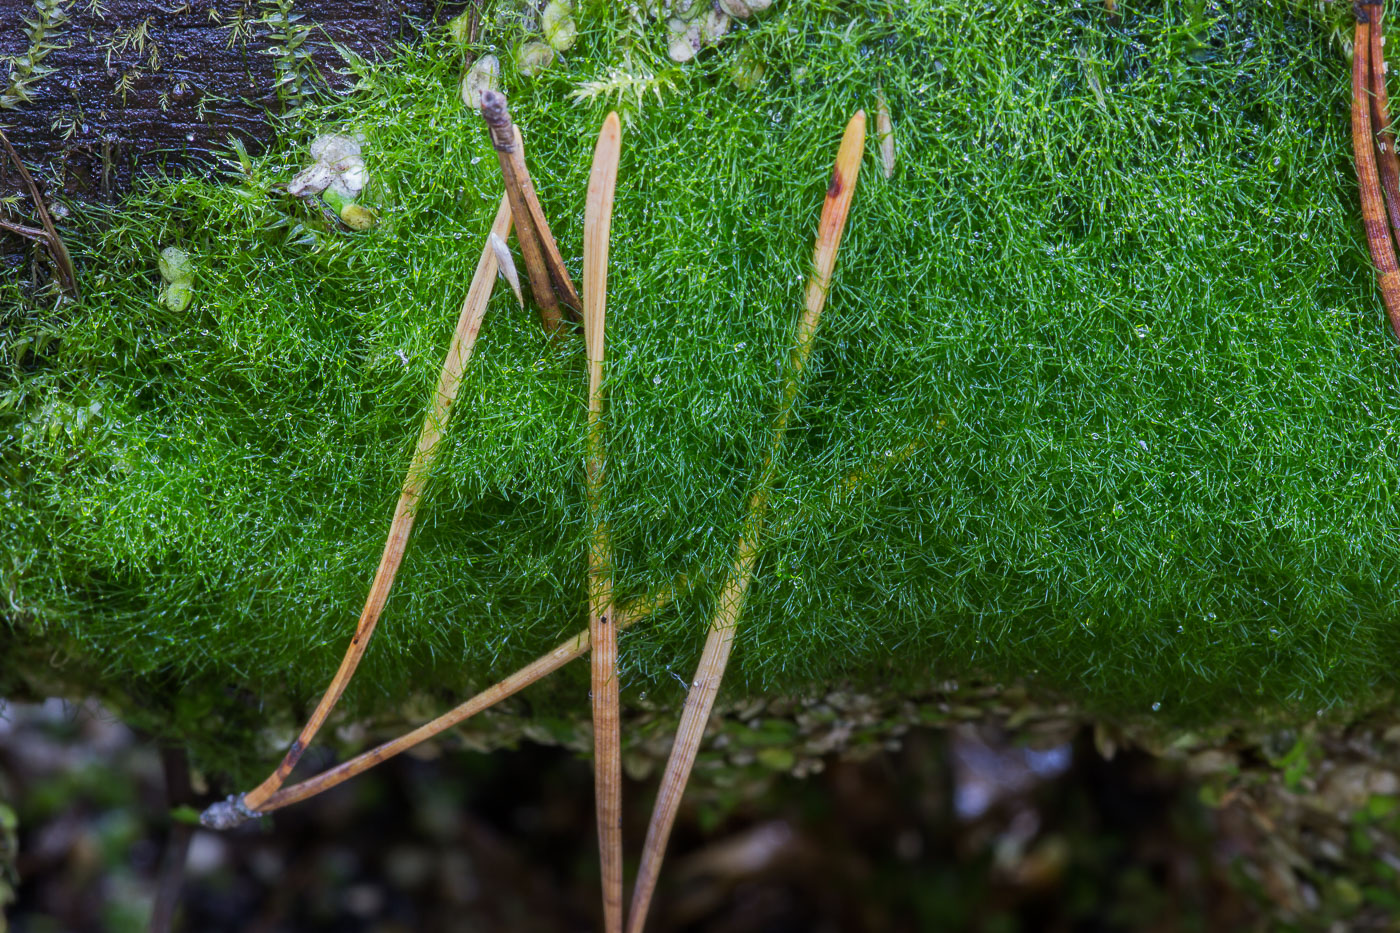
column 549, row 279
column 67, row 275
column 626, row 616
column 29, row 233
column 730, row 602
column 463, row 340
column 1372, row 209
column 531, row 249
column 175, row 764
column 607, row 728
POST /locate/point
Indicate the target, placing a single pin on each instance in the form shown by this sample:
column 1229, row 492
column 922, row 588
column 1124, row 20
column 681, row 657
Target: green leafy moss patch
column 1102, row 401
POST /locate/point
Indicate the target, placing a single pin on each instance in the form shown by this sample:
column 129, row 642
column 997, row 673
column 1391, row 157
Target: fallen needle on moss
column 450, row 379
column 607, row 734
column 730, row 602
column 235, row 810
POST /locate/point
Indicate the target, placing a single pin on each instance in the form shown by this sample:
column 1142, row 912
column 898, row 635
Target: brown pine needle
column 233, row 811
column 607, row 729
column 463, row 340
column 730, row 603
column 544, row 267
column 1386, row 160
column 1372, row 210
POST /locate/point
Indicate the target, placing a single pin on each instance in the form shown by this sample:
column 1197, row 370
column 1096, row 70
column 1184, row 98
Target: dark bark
column 139, row 84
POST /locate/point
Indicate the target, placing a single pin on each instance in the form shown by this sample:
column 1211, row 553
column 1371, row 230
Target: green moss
column 1105, row 353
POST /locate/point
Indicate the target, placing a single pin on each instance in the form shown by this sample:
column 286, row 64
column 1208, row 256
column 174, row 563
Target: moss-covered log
column 1103, row 401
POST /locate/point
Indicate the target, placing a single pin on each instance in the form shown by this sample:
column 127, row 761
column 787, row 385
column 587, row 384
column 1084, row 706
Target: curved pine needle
column 576, row 647
column 607, row 728
column 730, row 603
column 460, row 351
column 1372, row 209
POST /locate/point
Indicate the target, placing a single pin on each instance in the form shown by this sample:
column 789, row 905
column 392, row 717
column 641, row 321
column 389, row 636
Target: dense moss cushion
column 1102, row 396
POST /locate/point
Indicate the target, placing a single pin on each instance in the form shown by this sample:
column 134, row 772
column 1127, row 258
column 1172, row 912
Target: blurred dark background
column 955, row 829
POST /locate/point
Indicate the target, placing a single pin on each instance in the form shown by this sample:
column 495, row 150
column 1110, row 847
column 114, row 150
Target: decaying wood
column 730, row 603
column 463, row 340
column 63, row 263
column 151, row 87
column 1378, row 237
column 550, row 283
column 626, row 616
column 607, row 728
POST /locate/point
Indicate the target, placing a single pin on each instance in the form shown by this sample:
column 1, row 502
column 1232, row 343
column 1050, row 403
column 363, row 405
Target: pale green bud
column 747, row 70
column 533, row 57
column 683, row 39
column 175, row 265
column 884, row 130
column 332, row 148
column 558, row 26
column 743, row 9
column 355, row 216
column 483, row 75
column 713, row 25
column 176, row 296
column 460, row 27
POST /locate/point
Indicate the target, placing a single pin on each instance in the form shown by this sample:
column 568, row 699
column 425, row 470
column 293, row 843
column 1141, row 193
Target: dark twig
column 176, row 766
column 67, row 276
column 549, row 280
column 29, row 233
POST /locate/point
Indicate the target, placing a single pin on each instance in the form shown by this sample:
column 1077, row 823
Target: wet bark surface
column 137, row 86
